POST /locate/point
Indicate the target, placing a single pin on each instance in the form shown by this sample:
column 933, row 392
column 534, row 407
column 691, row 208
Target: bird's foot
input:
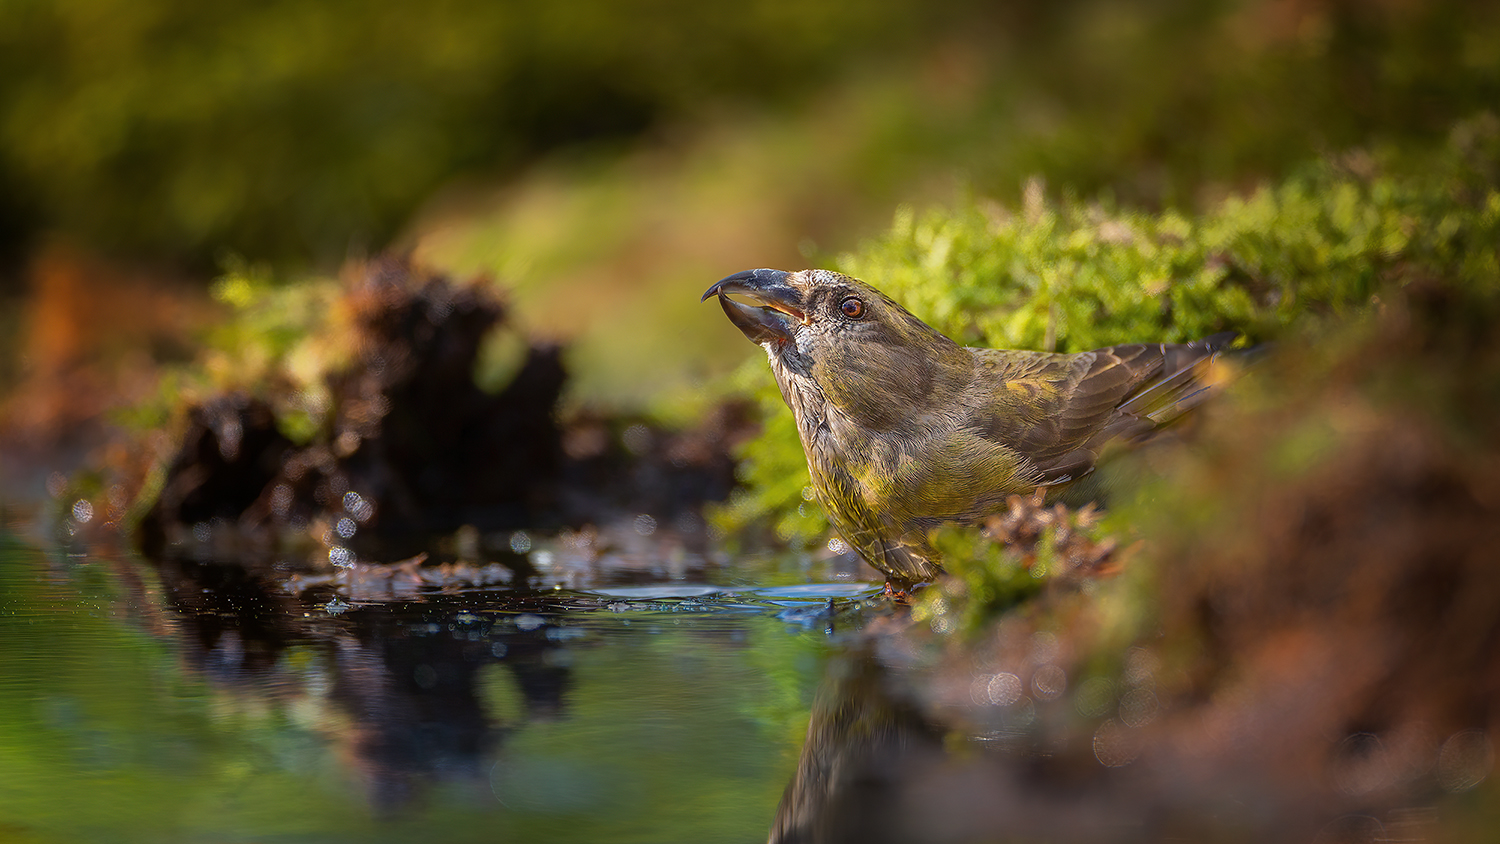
column 898, row 595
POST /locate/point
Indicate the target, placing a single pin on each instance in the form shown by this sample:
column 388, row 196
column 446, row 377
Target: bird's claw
column 898, row 596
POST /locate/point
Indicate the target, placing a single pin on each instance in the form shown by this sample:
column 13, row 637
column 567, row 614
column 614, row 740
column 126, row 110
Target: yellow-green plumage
column 905, row 429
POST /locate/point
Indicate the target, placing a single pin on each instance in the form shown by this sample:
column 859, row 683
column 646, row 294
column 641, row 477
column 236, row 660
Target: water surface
column 135, row 708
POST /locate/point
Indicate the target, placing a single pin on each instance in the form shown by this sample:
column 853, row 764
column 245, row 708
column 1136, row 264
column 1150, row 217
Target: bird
column 905, row 430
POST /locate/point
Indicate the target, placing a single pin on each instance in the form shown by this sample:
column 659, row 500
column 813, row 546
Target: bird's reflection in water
column 886, row 761
column 863, row 739
column 892, row 756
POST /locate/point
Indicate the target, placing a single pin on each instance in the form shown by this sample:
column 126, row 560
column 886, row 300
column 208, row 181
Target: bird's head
column 836, row 336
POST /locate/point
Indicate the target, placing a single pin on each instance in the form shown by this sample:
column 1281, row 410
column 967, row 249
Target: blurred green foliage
column 302, row 129
column 296, row 131
column 1071, row 275
column 280, row 342
column 988, row 578
column 1018, row 553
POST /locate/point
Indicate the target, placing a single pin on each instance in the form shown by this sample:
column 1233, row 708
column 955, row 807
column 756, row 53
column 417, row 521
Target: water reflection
column 863, row 740
column 197, row 699
column 906, row 743
column 409, row 684
column 403, row 678
column 887, row 760
column 668, row 711
column 410, row 678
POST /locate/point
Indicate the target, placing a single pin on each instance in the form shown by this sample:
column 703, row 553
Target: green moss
column 1071, row 275
column 988, row 578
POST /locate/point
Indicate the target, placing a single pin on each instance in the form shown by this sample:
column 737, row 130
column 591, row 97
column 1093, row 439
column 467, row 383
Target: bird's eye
column 852, row 307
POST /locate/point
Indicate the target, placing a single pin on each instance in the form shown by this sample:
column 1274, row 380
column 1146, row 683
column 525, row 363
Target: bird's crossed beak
column 782, row 304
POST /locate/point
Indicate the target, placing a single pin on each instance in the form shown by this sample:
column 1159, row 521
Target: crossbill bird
column 905, row 430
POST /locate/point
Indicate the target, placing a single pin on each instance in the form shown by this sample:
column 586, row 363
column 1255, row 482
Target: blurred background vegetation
column 291, row 131
column 606, row 161
column 295, row 132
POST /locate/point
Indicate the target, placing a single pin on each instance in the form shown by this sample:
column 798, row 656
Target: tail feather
column 1188, row 378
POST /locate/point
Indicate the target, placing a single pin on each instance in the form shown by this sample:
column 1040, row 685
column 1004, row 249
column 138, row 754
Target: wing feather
column 1058, row 411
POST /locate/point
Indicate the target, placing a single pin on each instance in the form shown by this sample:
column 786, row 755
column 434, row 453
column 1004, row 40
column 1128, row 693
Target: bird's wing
column 1058, row 411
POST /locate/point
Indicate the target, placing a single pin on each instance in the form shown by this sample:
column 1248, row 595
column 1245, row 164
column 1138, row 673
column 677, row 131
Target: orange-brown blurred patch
column 93, row 336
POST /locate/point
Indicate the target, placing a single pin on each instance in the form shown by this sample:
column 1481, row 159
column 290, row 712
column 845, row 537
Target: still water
column 133, row 708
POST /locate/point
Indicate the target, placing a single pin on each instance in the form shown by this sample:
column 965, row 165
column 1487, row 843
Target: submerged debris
column 367, row 582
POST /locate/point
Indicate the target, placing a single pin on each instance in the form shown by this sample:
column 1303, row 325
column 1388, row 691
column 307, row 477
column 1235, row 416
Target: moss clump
column 1010, row 558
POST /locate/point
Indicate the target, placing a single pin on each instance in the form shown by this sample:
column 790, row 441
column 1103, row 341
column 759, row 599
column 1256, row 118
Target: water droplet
column 1004, row 689
column 1465, row 760
column 358, row 506
column 425, row 676
column 346, row 527
column 341, row 556
column 527, row 622
column 637, row 439
column 808, row 493
column 1114, row 745
column 1138, row 707
column 1044, row 648
column 1094, row 697
column 520, row 542
column 837, row 545
column 83, row 511
column 1049, row 681
column 645, row 525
